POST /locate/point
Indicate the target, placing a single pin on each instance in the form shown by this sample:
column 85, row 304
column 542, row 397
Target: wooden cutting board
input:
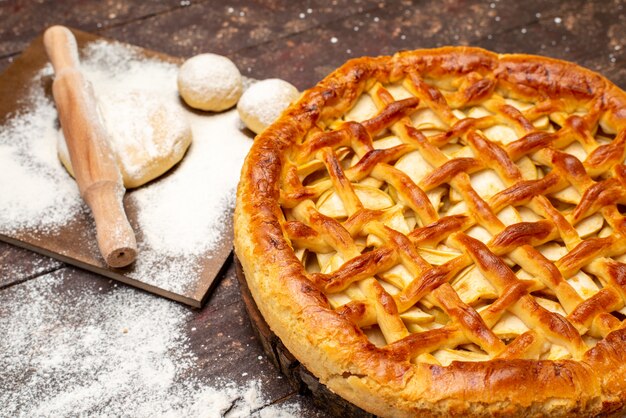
column 74, row 242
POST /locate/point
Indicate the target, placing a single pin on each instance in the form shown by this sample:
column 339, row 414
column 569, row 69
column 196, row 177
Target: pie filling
column 456, row 223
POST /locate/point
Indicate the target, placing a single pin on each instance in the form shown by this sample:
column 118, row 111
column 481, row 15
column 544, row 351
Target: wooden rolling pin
column 95, row 169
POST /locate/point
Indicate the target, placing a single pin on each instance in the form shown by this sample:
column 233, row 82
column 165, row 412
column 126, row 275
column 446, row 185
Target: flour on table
column 114, row 353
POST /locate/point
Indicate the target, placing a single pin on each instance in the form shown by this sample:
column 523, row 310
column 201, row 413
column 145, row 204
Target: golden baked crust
column 458, row 250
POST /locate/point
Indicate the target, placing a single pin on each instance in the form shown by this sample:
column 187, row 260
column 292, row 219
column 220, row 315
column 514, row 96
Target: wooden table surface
column 300, row 42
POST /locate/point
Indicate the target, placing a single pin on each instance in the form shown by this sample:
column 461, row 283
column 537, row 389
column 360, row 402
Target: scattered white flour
column 287, row 409
column 180, row 217
column 35, row 190
column 114, row 353
column 201, row 189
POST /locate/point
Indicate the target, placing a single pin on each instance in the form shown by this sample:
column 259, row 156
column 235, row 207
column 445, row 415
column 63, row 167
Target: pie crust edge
column 334, row 349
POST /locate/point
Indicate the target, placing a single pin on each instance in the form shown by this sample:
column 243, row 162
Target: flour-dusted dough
column 210, row 82
column 264, row 101
column 148, row 135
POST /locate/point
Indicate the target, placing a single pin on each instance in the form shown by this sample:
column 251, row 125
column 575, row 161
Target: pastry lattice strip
column 328, row 150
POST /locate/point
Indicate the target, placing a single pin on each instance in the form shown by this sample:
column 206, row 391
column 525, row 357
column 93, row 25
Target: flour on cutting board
column 116, row 352
column 35, row 190
column 181, row 216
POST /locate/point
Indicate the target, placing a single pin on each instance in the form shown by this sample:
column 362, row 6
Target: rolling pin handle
column 115, row 236
column 61, row 48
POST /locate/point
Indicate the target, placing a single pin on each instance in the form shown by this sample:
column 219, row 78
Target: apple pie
column 441, row 232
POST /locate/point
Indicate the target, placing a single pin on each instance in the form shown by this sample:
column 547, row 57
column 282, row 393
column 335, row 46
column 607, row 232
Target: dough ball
column 209, row 82
column 264, row 101
column 147, row 134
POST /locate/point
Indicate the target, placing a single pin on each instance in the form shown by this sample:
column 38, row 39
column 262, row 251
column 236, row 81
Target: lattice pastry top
column 441, row 232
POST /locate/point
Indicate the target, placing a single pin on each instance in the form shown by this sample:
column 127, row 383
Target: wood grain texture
column 226, row 27
column 18, row 264
column 271, row 40
column 507, row 27
column 241, row 358
column 22, row 20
